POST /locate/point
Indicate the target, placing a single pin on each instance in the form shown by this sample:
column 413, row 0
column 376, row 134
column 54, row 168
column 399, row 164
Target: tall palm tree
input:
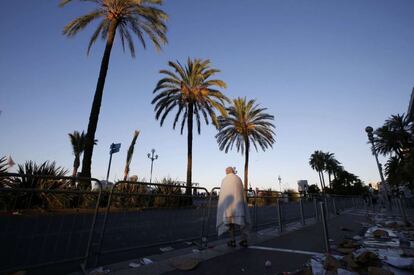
column 395, row 137
column 246, row 124
column 130, row 153
column 331, row 166
column 317, row 162
column 191, row 91
column 77, row 140
column 3, row 165
column 139, row 16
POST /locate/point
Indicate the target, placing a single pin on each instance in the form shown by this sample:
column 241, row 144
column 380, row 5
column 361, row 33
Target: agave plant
column 37, row 181
column 3, row 169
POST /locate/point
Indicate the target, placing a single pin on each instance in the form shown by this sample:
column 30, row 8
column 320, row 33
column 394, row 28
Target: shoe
column 231, row 243
column 243, row 243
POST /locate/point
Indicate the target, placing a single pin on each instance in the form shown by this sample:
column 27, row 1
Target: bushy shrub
column 34, row 187
column 169, row 194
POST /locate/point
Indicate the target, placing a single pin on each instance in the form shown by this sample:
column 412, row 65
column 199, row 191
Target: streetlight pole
column 152, row 157
column 280, row 183
column 369, row 131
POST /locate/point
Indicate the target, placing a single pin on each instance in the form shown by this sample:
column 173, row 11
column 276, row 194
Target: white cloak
column 232, row 206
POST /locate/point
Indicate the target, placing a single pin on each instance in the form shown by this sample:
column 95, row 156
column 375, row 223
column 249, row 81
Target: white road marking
column 286, row 250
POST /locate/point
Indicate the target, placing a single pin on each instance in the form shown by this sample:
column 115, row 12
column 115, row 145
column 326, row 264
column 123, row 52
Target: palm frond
column 187, row 84
column 140, row 17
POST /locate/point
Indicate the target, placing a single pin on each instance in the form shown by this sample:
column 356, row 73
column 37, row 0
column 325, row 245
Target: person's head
column 229, row 170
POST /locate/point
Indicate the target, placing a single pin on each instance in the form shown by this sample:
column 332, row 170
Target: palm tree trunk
column 320, row 180
column 189, row 147
column 126, row 172
column 323, row 180
column 96, row 105
column 76, row 164
column 246, row 164
column 330, row 181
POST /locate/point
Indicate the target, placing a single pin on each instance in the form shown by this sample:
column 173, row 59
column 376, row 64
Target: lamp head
column 369, row 129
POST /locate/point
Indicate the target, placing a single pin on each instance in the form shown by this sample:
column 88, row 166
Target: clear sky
column 324, row 69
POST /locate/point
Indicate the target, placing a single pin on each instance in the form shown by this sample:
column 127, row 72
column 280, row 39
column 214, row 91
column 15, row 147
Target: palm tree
column 331, row 166
column 396, row 140
column 139, row 16
column 246, row 124
column 395, row 137
column 394, row 170
column 77, row 140
column 317, row 162
column 3, row 165
column 191, row 91
column 129, row 154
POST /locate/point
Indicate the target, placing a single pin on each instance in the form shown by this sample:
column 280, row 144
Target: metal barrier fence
column 141, row 215
column 46, row 221
column 44, row 226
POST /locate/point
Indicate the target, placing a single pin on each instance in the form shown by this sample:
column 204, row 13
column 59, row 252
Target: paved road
column 251, row 261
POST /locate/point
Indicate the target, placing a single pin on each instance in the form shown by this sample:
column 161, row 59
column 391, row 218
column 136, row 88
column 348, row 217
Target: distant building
column 410, row 111
column 303, row 185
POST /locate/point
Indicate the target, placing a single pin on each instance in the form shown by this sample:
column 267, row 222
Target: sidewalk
column 265, row 245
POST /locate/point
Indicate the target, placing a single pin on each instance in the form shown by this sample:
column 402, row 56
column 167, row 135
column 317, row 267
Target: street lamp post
column 280, row 183
column 369, row 131
column 152, row 157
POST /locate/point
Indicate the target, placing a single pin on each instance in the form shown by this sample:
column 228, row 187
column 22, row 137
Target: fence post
column 205, row 221
column 334, row 206
column 255, row 211
column 316, row 209
column 372, row 204
column 302, row 215
column 402, row 210
column 204, row 239
column 279, row 214
column 326, row 207
column 325, row 227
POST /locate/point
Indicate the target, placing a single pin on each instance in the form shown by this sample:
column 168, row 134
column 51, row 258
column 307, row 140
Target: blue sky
column 324, row 69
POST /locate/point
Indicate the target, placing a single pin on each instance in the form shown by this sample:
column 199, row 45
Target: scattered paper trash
column 400, row 262
column 268, row 263
column 317, row 267
column 99, row 271
column 357, row 237
column 341, row 271
column 188, row 243
column 146, row 261
column 134, row 265
column 166, row 249
column 242, row 270
column 195, row 250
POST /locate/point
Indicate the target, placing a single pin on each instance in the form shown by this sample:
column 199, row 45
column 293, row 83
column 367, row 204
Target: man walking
column 232, row 208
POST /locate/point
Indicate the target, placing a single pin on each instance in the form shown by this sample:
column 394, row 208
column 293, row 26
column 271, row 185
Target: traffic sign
column 114, row 148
